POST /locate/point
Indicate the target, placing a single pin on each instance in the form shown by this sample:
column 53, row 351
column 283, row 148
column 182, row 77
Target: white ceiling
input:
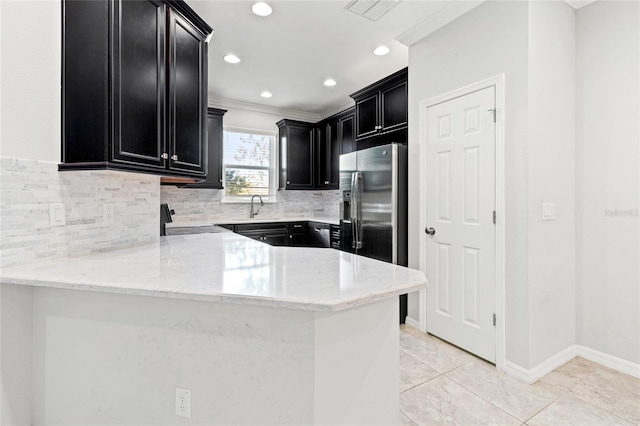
column 293, row 51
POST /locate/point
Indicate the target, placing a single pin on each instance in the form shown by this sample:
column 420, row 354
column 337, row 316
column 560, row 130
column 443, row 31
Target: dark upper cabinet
column 214, row 156
column 296, row 140
column 336, row 138
column 367, row 115
column 315, row 161
column 134, row 87
column 382, row 107
column 346, row 133
column 187, row 95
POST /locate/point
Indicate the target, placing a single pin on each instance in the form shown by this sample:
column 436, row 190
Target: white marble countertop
column 177, row 223
column 228, row 268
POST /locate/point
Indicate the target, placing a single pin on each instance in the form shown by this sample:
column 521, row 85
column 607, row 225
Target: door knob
column 429, row 231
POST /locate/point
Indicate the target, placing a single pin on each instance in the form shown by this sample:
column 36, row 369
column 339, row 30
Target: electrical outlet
column 57, row 215
column 183, row 403
column 108, row 212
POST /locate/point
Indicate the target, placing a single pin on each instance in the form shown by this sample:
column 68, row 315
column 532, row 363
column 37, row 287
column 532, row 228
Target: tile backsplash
column 205, row 204
column 28, row 188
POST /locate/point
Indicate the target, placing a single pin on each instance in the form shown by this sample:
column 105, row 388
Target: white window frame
column 273, row 168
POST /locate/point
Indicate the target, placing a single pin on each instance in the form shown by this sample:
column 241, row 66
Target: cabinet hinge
column 494, row 320
column 494, row 217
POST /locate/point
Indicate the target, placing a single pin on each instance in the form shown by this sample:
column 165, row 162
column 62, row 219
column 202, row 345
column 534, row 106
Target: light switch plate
column 57, row 215
column 548, row 211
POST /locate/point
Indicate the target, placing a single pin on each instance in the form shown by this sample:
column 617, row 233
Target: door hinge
column 494, row 217
column 494, row 320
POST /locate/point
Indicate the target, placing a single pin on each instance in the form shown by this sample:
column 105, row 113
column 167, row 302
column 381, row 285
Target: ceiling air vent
column 371, row 9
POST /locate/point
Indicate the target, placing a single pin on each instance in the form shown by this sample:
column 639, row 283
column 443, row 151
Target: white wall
column 30, row 80
column 551, row 169
column 572, row 138
column 489, row 40
column 607, row 178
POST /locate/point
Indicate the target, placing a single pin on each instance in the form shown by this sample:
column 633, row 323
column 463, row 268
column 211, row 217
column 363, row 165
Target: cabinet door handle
column 164, row 156
column 174, row 157
column 326, row 182
column 288, row 182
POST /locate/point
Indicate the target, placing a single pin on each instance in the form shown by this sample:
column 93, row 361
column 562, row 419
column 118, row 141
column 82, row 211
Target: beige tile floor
column 443, row 385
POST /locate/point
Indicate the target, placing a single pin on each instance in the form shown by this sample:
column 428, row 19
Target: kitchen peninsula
column 258, row 334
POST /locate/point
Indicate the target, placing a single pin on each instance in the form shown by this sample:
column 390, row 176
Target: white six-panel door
column 460, row 155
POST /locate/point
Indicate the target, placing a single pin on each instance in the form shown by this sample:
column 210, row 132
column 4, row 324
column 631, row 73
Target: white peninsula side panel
column 115, row 359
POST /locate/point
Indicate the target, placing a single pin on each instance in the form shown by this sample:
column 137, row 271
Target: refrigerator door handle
column 356, row 210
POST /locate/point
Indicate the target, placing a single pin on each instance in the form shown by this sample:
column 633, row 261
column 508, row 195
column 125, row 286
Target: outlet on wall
column 183, row 403
column 108, row 212
column 57, row 215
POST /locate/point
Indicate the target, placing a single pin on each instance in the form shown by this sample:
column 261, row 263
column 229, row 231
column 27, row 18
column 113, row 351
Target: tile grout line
column 485, row 400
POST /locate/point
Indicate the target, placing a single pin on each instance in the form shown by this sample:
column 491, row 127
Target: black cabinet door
column 367, row 116
column 346, row 134
column 187, row 95
column 333, row 155
column 273, row 237
column 297, row 238
column 214, row 137
column 394, row 107
column 134, row 82
column 139, row 82
column 296, row 154
column 322, row 137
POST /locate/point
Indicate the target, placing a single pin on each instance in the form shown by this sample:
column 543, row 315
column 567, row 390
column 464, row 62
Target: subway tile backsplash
column 205, row 204
column 28, row 188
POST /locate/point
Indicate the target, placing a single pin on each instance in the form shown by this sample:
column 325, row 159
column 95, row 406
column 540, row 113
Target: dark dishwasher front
column 345, row 236
column 319, row 234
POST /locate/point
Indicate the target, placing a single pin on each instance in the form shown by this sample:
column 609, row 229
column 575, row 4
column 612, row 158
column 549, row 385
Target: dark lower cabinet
column 297, row 234
column 273, row 237
column 134, row 86
column 294, row 234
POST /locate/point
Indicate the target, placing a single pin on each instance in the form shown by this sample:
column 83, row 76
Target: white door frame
column 499, row 82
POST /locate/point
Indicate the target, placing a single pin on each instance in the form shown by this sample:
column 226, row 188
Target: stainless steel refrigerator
column 373, row 185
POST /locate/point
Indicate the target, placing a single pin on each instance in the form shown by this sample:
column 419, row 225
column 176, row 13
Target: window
column 249, row 164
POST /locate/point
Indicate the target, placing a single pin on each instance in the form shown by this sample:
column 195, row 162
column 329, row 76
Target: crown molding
column 436, row 21
column 223, row 103
column 577, row 4
column 338, row 109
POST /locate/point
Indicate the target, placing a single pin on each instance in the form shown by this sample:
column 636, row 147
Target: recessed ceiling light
column 266, row 94
column 381, row 50
column 261, row 9
column 232, row 59
column 329, row 82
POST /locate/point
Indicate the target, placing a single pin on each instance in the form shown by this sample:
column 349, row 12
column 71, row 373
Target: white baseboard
column 412, row 323
column 545, row 367
column 619, row 364
column 539, row 371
